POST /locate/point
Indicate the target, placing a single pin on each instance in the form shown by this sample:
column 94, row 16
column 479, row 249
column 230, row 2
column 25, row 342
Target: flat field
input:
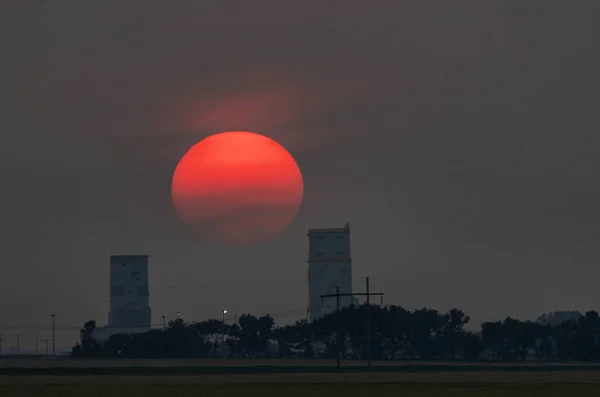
column 442, row 384
column 64, row 377
column 68, row 362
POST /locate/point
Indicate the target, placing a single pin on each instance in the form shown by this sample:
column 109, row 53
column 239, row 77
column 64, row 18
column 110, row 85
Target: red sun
column 237, row 187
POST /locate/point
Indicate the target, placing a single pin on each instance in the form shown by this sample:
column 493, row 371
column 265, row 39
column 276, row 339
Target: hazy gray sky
column 458, row 138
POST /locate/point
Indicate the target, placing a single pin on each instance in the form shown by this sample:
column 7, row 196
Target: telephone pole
column 337, row 295
column 368, row 325
column 338, row 332
column 53, row 334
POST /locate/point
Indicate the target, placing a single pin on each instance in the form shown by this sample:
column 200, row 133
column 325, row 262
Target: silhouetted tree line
column 396, row 333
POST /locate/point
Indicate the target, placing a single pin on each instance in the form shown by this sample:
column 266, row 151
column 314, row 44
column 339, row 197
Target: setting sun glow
column 237, row 187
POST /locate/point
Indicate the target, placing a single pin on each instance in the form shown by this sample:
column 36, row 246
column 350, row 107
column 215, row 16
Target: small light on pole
column 164, row 322
column 223, row 334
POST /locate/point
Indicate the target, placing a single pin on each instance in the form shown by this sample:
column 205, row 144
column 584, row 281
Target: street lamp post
column 164, row 322
column 223, row 334
column 53, row 334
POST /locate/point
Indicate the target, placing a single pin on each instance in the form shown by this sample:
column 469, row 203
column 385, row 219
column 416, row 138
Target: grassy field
column 67, row 362
column 463, row 384
column 290, row 378
column 230, row 367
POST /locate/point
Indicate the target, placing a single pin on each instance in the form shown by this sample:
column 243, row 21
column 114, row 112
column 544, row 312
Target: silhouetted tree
column 472, row 346
column 587, row 343
column 212, row 332
column 395, row 328
column 254, row 334
column 453, row 332
column 425, row 334
column 555, row 318
column 395, row 333
column 89, row 346
column 493, row 338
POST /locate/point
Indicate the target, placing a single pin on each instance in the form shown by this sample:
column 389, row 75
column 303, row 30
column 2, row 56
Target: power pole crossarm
column 353, row 294
column 368, row 294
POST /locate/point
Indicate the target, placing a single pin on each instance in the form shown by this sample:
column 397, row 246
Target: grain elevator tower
column 129, row 294
column 329, row 266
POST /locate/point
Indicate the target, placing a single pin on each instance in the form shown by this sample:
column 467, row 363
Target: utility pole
column 368, row 325
column 223, row 335
column 338, row 332
column 18, row 343
column 368, row 294
column 53, row 335
column 36, row 346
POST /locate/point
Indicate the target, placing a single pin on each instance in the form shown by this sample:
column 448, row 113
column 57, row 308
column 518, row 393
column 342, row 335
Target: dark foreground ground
column 461, row 384
column 63, row 377
column 155, row 367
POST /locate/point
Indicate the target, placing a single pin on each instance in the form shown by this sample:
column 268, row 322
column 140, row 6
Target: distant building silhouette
column 129, row 293
column 129, row 297
column 329, row 266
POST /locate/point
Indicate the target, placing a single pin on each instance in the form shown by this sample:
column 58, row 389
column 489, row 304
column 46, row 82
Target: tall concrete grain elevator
column 129, row 293
column 329, row 267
